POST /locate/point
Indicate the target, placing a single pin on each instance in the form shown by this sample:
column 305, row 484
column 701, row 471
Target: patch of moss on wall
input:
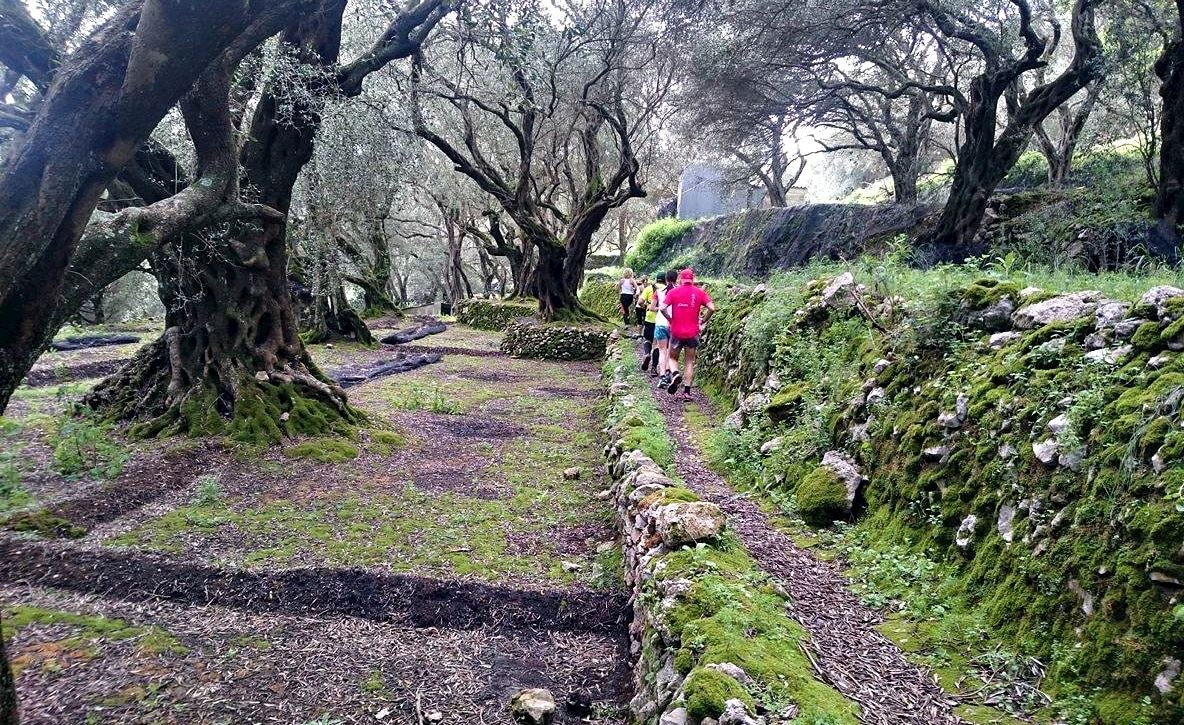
column 493, row 314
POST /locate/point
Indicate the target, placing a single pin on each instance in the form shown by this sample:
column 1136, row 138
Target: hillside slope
column 1016, row 455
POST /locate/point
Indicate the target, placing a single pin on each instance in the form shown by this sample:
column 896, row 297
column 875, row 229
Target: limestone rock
column 1158, row 297
column 736, row 713
column 533, row 706
column 1087, row 599
column 995, row 317
column 965, row 533
column 571, row 474
column 1063, row 308
column 735, row 421
column 957, row 417
column 734, row 671
column 1007, row 451
column 1171, row 670
column 844, row 467
column 1045, row 451
column 1006, row 522
column 876, row 395
column 688, row 522
column 1059, row 424
column 772, row 446
column 1125, row 329
column 1108, row 355
column 677, row 716
column 880, row 366
column 1094, row 341
column 935, row 453
column 1160, row 360
column 839, row 292
column 1072, row 459
column 1002, row 339
column 1110, row 312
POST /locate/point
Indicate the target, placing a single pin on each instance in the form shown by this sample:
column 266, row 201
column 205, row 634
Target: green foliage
column 83, row 446
column 644, row 429
column 12, row 494
column 653, row 240
column 207, row 492
column 707, row 691
column 421, row 396
column 600, row 294
column 384, row 442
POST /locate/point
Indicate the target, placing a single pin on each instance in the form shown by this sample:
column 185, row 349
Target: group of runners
column 671, row 312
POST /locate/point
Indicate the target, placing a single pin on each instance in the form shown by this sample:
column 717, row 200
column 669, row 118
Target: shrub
column 208, row 492
column 821, row 498
column 85, row 447
column 600, row 295
column 655, row 239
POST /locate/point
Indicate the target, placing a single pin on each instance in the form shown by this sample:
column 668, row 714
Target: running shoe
column 672, row 386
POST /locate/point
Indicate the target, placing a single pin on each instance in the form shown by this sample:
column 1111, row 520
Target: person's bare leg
column 663, row 355
column 688, row 377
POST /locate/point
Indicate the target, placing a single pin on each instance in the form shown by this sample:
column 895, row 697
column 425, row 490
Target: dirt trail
column 846, row 649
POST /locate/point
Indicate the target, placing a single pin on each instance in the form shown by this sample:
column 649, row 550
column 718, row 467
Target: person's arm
column 709, row 311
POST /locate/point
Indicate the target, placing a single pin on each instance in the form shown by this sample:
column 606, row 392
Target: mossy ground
column 461, row 476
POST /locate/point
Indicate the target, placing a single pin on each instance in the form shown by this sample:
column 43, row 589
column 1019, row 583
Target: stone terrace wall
column 709, row 631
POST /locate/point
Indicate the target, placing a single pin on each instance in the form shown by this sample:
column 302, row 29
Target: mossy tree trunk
column 231, row 359
column 557, row 298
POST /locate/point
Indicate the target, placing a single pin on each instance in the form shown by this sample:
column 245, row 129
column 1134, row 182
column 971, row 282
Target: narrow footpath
column 846, row 649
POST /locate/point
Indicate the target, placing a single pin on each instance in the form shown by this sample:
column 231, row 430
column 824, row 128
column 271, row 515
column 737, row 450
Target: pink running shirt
column 684, row 303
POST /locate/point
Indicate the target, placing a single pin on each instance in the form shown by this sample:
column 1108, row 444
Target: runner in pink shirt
column 682, row 306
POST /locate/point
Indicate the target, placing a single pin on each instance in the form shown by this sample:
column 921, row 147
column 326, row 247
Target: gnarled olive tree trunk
column 230, row 360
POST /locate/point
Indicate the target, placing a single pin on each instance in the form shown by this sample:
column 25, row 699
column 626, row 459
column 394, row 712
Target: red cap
column 686, row 276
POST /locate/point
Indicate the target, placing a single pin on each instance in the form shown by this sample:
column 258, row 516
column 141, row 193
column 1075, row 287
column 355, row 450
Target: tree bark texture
column 1169, row 201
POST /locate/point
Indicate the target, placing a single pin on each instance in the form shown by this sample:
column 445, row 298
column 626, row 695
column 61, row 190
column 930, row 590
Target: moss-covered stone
column 555, row 341
column 601, row 295
column 821, row 497
column 492, row 314
column 708, row 691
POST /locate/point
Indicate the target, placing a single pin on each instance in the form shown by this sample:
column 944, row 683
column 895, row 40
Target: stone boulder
column 1158, row 297
column 533, row 706
column 688, row 522
column 839, row 293
column 1063, row 308
column 1109, row 313
column 844, row 467
column 995, row 317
